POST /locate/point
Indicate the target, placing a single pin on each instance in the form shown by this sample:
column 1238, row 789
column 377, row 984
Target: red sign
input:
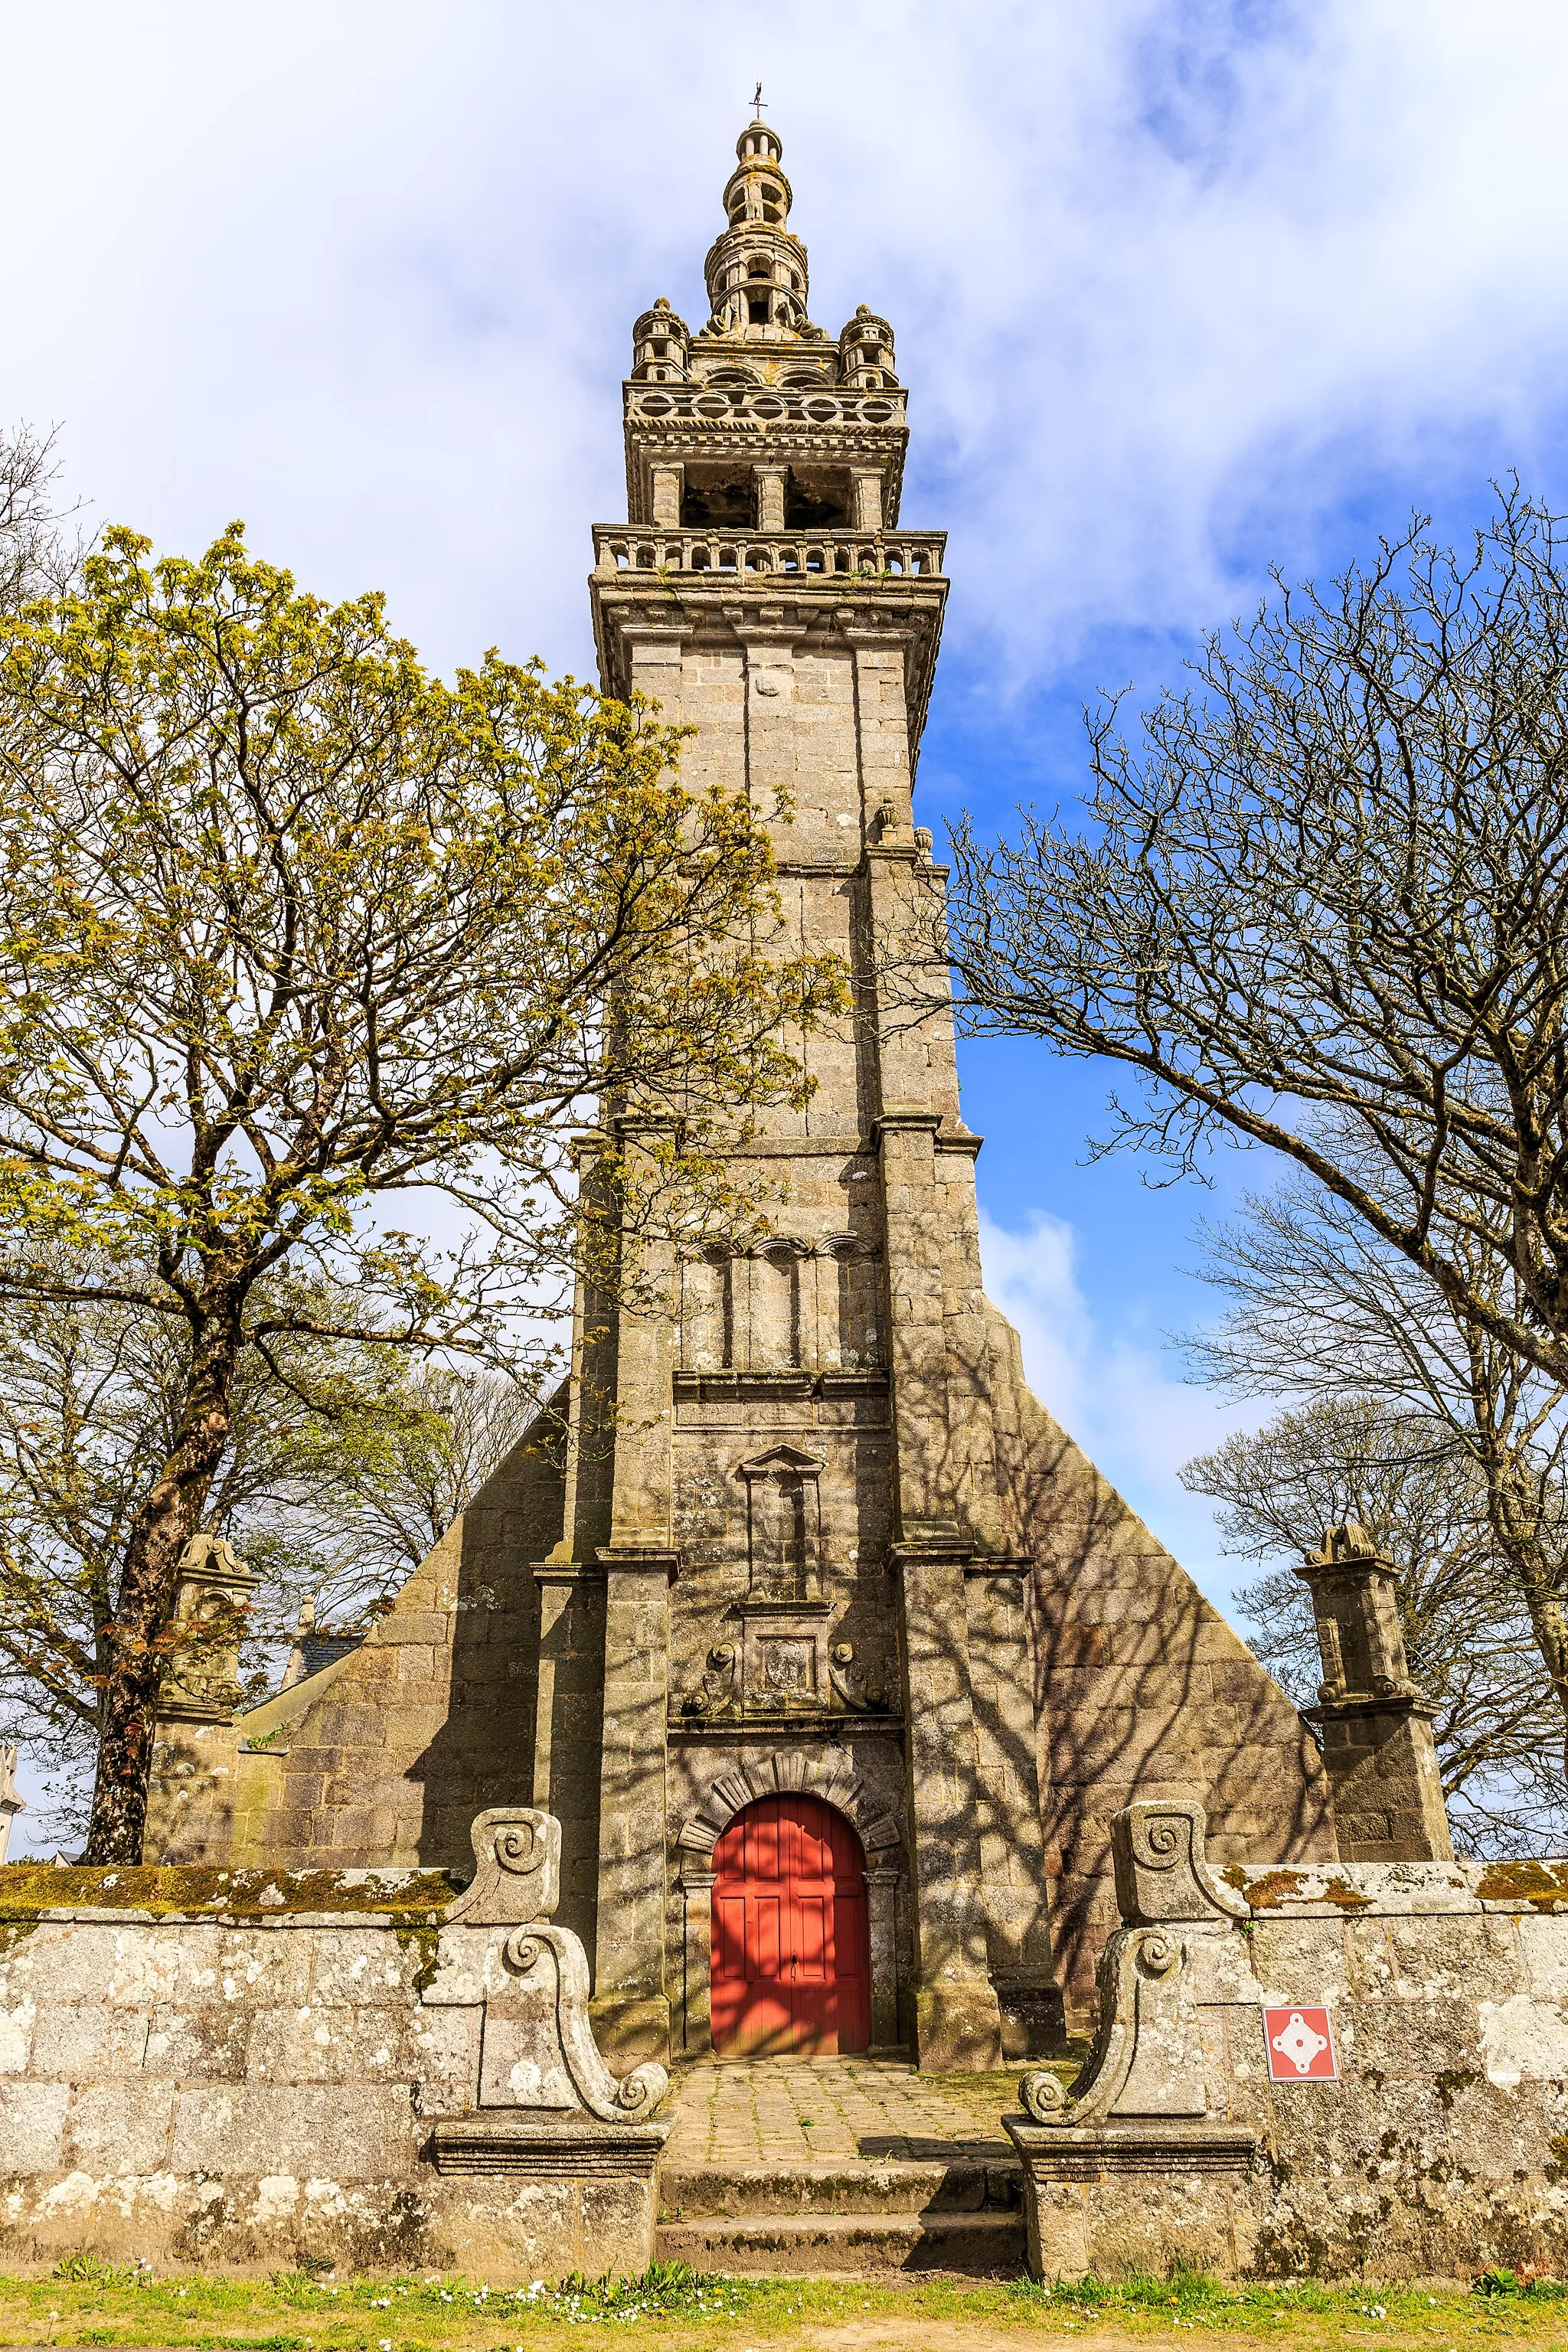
column 1300, row 2045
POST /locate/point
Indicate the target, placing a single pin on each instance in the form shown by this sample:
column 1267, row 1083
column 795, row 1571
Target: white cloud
column 367, row 273
column 1124, row 1401
column 363, row 271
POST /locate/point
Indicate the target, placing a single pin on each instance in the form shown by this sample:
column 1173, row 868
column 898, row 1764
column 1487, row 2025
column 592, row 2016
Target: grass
column 85, row 2300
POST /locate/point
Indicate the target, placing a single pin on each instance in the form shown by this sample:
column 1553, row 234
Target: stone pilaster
column 957, row 2019
column 697, row 1944
column 568, row 1727
column 882, row 1883
column 631, row 2003
column 1011, row 1837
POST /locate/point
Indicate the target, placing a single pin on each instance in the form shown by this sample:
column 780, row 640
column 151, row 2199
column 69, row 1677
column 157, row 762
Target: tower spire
column 756, row 271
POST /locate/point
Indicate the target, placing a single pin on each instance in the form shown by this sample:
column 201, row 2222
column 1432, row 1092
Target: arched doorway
column 790, row 1948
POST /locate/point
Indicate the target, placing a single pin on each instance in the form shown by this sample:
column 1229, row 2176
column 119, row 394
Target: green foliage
column 290, row 927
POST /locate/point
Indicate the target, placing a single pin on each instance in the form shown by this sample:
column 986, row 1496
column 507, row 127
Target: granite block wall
column 1350, row 2070
column 225, row 2070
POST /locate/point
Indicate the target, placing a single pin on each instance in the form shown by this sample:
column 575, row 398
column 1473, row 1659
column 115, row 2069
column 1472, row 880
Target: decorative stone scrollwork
column 555, row 1960
column 517, row 1874
column 720, row 1694
column 538, row 2056
column 848, row 1681
column 1147, row 2056
column 1161, row 1870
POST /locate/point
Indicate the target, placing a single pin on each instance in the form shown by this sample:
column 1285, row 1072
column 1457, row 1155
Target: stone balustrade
column 847, row 553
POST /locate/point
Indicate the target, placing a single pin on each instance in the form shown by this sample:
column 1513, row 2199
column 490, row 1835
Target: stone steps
column 845, row 2218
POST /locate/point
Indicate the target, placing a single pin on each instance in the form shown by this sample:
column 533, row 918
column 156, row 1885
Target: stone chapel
column 832, row 1652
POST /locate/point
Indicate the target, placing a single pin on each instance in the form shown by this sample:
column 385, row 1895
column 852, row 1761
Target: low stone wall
column 1418, row 2015
column 253, row 2070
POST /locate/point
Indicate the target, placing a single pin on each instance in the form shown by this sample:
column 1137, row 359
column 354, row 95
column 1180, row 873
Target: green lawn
column 86, row 2302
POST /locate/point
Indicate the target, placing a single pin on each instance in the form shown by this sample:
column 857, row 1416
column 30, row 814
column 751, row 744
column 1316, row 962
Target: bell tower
column 804, row 1581
column 832, row 1653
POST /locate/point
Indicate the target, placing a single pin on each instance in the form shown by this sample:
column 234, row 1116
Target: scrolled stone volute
column 1160, row 1870
column 517, row 1873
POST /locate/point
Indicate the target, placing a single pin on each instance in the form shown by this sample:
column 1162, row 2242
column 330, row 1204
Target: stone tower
column 797, row 1608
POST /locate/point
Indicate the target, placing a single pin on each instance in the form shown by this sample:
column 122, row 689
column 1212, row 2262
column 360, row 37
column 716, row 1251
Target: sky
column 1181, row 292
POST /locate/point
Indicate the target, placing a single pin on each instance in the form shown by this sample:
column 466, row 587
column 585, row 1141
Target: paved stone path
column 783, row 2111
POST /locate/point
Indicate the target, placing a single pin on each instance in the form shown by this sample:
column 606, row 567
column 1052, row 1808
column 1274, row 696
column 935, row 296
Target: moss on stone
column 196, row 1890
column 425, row 1940
column 1542, row 1883
column 1275, row 1889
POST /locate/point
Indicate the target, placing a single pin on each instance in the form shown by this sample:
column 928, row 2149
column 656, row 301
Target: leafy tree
column 1409, row 1478
column 290, row 928
column 1324, row 907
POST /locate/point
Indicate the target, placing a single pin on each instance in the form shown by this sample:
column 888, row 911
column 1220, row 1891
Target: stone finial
column 11, row 1804
column 866, row 354
column 1378, row 1747
column 211, row 1601
column 756, row 270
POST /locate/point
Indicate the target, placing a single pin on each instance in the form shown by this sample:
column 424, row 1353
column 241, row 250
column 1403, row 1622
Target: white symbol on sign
column 1299, row 2042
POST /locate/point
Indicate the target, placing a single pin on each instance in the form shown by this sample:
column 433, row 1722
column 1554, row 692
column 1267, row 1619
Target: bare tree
column 1322, row 1307
column 1323, row 908
column 38, row 555
column 411, row 1462
column 1407, row 1475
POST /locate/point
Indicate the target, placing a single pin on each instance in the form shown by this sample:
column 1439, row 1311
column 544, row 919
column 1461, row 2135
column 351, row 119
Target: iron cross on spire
column 758, row 102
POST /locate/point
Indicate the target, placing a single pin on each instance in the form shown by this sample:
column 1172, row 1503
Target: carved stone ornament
column 848, row 1680
column 538, row 2060
column 539, row 2049
column 1161, row 1870
column 1146, row 2065
column 825, row 1772
column 1146, row 2058
column 517, row 1873
column 720, row 1694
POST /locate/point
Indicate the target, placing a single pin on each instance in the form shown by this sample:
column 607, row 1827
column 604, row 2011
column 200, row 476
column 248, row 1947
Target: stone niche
column 256, row 2070
column 1355, row 2070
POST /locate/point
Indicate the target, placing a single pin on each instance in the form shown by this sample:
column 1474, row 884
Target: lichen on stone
column 28, row 1889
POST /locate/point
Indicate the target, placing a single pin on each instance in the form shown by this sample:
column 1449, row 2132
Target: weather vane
column 757, row 104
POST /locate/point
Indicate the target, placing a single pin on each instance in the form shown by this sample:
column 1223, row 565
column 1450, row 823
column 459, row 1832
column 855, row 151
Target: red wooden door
column 790, row 1948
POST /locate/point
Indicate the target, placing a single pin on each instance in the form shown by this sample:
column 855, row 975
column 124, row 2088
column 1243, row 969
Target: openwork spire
column 756, row 272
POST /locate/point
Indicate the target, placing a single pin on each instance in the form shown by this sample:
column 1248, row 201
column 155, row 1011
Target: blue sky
column 1179, row 291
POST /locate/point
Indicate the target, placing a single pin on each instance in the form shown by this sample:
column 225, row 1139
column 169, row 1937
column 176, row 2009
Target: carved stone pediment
column 782, row 1461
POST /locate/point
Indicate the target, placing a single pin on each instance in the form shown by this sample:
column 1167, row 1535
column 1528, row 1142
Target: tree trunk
column 1516, row 1523
column 148, row 1584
